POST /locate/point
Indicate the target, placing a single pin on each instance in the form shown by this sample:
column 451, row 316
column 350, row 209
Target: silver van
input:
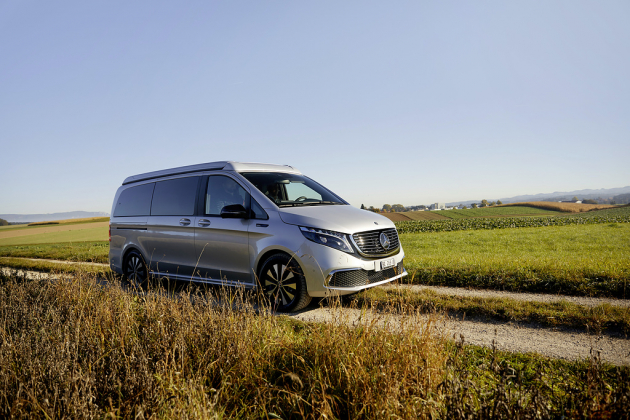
column 251, row 224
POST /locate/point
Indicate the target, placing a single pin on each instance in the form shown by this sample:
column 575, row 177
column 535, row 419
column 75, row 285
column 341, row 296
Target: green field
column 67, row 251
column 577, row 260
column 68, row 222
column 82, row 235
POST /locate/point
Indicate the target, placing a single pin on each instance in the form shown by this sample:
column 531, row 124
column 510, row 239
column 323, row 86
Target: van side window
column 258, row 212
column 135, row 201
column 175, row 197
column 223, row 191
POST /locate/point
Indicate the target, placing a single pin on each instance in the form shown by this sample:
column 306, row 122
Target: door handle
column 203, row 222
column 184, row 222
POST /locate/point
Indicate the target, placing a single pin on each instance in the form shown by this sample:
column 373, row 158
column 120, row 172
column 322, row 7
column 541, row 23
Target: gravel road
column 561, row 344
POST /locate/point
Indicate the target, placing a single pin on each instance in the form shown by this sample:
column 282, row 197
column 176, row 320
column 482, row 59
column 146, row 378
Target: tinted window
column 175, row 197
column 223, row 191
column 135, row 201
column 258, row 212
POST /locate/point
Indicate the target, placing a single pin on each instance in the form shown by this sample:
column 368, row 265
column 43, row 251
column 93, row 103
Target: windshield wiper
column 317, row 203
column 309, row 203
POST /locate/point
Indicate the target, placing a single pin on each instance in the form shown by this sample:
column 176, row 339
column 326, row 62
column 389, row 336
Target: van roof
column 213, row 166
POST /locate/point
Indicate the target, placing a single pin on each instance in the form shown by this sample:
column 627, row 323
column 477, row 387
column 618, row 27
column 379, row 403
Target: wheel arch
column 268, row 253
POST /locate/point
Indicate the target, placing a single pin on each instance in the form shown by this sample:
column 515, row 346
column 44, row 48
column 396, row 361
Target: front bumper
column 331, row 272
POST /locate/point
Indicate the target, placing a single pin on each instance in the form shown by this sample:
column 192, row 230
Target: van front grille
column 356, row 278
column 369, row 242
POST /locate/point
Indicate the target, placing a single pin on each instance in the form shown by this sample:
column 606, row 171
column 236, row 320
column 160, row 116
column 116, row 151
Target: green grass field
column 67, row 251
column 577, row 260
column 68, row 222
column 589, row 259
column 88, row 234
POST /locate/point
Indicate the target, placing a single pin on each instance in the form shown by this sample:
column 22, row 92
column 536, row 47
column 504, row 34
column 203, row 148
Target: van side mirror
column 234, row 211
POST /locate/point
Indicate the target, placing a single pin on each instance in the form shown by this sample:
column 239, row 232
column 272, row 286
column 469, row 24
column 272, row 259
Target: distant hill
column 601, row 195
column 23, row 218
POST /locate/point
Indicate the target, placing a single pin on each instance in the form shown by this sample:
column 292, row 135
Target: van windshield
column 289, row 190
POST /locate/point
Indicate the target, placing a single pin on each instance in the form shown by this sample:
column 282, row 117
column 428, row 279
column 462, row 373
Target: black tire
column 282, row 281
column 135, row 270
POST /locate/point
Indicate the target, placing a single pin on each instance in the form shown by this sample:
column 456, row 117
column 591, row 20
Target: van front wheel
column 283, row 283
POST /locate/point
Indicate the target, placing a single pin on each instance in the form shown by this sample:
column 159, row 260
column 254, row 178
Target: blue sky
column 383, row 102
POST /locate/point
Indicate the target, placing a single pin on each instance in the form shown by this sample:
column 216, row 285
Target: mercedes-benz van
column 251, row 224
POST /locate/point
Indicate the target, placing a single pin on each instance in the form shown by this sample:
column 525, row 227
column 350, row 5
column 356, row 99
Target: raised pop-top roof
column 213, row 166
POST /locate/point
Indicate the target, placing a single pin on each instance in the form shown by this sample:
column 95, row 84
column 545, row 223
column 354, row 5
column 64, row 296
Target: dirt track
column 522, row 338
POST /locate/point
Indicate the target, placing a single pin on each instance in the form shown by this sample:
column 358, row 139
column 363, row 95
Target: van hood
column 340, row 218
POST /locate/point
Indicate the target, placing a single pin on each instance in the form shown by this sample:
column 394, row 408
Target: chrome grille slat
column 369, row 244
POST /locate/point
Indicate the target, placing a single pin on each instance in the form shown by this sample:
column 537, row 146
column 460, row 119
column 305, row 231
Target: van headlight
column 328, row 237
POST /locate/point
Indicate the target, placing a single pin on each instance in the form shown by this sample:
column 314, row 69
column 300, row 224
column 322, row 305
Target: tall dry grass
column 76, row 348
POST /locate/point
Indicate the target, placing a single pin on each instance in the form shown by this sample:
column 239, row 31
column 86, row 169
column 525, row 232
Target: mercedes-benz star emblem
column 384, row 240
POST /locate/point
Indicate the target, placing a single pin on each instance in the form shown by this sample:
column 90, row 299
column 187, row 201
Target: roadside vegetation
column 604, row 317
column 77, row 349
column 582, row 260
column 44, row 266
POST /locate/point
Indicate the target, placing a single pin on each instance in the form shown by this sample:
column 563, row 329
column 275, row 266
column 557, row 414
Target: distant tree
column 492, row 204
column 574, row 199
column 473, row 205
column 387, row 207
column 590, row 201
column 484, row 203
column 499, row 202
column 463, row 207
column 398, row 207
column 362, row 207
column 4, row 222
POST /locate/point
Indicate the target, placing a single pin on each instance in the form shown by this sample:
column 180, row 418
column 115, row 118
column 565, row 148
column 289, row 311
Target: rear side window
column 175, row 197
column 135, row 201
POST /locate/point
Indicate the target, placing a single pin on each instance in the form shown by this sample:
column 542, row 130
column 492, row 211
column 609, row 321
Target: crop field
column 563, row 207
column 418, row 215
column 499, row 212
column 126, row 354
column 612, row 215
column 587, row 260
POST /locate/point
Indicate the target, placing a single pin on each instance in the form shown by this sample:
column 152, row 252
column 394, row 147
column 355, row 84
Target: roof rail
column 212, row 166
